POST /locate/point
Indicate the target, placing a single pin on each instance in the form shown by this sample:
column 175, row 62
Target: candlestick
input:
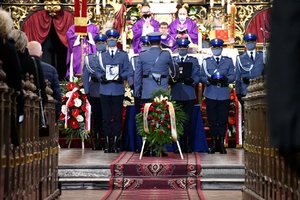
column 124, row 41
column 97, row 7
column 211, row 3
column 199, row 41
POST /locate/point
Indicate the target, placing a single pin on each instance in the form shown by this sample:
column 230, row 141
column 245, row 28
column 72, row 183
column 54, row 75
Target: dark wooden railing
column 29, row 170
column 267, row 176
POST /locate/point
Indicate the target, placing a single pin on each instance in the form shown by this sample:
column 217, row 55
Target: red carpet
column 155, row 178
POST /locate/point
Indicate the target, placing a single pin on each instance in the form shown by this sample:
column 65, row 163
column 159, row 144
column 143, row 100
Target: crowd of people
column 151, row 68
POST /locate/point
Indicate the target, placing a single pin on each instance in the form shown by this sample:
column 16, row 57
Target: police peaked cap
column 250, row 37
column 183, row 42
column 100, row 38
column 216, row 42
column 112, row 33
column 145, row 39
column 154, row 36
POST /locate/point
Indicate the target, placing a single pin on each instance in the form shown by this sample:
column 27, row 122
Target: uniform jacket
column 91, row 75
column 247, row 69
column 226, row 68
column 181, row 91
column 146, row 66
column 120, row 58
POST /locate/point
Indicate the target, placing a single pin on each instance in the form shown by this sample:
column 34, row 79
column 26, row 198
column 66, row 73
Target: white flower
column 79, row 118
column 82, row 90
column 78, row 102
column 64, row 109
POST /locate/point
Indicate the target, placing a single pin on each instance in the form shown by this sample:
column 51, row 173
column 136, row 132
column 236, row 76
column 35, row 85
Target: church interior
column 63, row 164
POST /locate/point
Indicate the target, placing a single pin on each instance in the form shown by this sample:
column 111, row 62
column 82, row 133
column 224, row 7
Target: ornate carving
column 52, row 6
column 243, row 16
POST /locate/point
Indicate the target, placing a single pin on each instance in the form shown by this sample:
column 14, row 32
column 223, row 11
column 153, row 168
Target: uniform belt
column 220, row 84
column 93, row 78
column 150, row 76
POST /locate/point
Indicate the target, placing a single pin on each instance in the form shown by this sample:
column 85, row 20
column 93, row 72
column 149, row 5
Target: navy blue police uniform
column 114, row 71
column 183, row 88
column 153, row 70
column 249, row 65
column 91, row 86
column 216, row 73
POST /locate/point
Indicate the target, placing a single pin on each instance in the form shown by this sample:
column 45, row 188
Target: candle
column 199, row 41
column 228, row 6
column 124, row 41
column 103, row 3
column 211, row 3
column 223, row 2
column 97, row 7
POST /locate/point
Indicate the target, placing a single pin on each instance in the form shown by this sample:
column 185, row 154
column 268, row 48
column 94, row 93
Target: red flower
column 156, row 118
column 164, row 102
column 70, row 86
column 149, row 117
column 84, row 97
column 152, row 124
column 162, row 123
column 154, row 103
column 159, row 112
column 75, row 112
column 73, row 123
column 161, row 132
column 142, row 109
column 167, row 107
column 71, row 103
column 83, row 107
column 167, row 116
column 61, row 116
column 169, row 126
column 75, row 95
column 64, row 98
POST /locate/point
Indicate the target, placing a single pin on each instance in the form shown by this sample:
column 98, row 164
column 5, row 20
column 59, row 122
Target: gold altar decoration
column 102, row 12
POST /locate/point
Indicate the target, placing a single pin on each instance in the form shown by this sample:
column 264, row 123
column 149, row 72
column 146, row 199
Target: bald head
column 35, row 48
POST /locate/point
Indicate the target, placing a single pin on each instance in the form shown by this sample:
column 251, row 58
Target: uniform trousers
column 112, row 114
column 96, row 113
column 217, row 115
column 186, row 139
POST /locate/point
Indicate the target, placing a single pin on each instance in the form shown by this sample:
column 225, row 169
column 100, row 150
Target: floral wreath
column 155, row 121
column 75, row 111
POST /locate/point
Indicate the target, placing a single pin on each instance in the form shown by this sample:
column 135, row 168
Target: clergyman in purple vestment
column 74, row 46
column 142, row 27
column 167, row 41
column 184, row 27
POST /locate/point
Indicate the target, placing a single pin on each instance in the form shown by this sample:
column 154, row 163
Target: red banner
column 80, row 17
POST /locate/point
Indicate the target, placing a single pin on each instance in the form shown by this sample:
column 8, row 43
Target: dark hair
column 163, row 24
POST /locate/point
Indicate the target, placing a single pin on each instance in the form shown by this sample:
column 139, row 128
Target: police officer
column 249, row 65
column 183, row 90
column 114, row 67
column 91, row 86
column 152, row 70
column 216, row 73
column 137, row 94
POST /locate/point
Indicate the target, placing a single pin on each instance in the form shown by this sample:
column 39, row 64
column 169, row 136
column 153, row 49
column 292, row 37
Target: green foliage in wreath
column 159, row 122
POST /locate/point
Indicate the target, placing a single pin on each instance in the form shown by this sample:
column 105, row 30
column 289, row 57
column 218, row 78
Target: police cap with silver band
column 183, row 42
column 145, row 39
column 100, row 38
column 112, row 33
column 154, row 36
column 216, row 42
column 250, row 37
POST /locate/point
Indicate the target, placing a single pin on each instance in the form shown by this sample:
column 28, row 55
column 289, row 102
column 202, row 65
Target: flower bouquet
column 74, row 117
column 160, row 122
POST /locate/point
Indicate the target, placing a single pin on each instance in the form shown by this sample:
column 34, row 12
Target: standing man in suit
column 142, row 27
column 249, row 65
column 152, row 71
column 114, row 68
column 91, row 86
column 216, row 73
column 183, row 90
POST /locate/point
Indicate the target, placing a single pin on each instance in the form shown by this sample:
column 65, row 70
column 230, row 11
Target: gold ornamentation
column 52, row 6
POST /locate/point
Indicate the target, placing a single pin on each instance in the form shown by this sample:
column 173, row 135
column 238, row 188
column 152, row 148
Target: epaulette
column 226, row 57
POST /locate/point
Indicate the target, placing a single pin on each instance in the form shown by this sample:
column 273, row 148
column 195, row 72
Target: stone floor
column 88, row 159
column 98, row 194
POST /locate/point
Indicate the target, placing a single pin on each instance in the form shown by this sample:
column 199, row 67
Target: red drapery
column 38, row 25
column 260, row 20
